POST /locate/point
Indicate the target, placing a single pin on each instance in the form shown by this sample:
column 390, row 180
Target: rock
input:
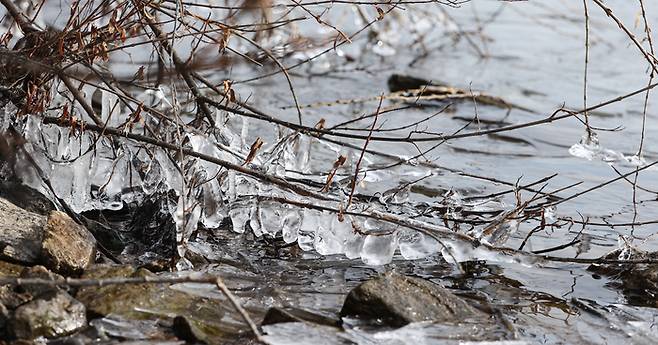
column 39, row 272
column 68, row 248
column 8, row 269
column 9, row 297
column 26, row 197
column 638, row 282
column 202, row 316
column 52, row 315
column 290, row 314
column 21, row 233
column 399, row 82
column 398, row 300
column 127, row 329
column 123, row 300
column 56, row 241
column 4, row 320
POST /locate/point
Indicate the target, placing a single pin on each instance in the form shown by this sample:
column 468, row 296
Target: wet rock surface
column 68, row 247
column 155, row 301
column 399, row 300
column 115, row 299
column 290, row 314
column 122, row 328
column 21, row 233
column 39, row 272
column 638, row 282
column 53, row 314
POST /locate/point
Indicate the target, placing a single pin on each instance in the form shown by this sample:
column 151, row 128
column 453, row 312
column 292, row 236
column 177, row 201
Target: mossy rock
column 398, row 300
column 153, row 301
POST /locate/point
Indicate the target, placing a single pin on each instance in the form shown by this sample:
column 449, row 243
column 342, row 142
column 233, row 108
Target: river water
column 529, row 53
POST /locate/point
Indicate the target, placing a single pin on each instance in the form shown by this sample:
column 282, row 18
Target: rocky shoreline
column 53, row 247
column 49, row 246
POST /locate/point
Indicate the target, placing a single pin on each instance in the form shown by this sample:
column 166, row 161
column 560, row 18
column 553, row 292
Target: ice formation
column 88, row 171
column 589, row 148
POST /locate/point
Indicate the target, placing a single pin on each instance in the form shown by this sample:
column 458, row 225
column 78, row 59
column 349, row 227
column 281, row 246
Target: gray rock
column 52, row 315
column 26, row 197
column 203, row 319
column 21, row 233
column 68, row 248
column 398, row 300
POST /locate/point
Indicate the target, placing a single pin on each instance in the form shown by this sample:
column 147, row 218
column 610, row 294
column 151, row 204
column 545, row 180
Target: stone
column 68, row 248
column 398, row 300
column 26, row 197
column 8, row 269
column 202, row 316
column 52, row 315
column 39, row 272
column 4, row 320
column 290, row 314
column 21, row 233
column 638, row 282
column 9, row 297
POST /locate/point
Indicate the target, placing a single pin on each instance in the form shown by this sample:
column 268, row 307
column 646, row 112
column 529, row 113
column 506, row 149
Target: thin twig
column 363, row 151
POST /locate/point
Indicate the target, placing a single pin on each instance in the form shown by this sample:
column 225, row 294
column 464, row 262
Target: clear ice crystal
column 332, row 235
column 239, row 214
column 291, row 223
column 415, row 245
column 378, row 249
column 270, row 218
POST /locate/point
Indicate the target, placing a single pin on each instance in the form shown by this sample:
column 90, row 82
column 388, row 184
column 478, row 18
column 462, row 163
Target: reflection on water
column 528, row 53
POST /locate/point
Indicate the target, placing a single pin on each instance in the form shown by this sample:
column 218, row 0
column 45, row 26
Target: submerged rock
column 21, row 233
column 68, row 247
column 39, row 272
column 52, row 315
column 203, row 316
column 290, row 314
column 638, row 282
column 127, row 329
column 398, row 300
